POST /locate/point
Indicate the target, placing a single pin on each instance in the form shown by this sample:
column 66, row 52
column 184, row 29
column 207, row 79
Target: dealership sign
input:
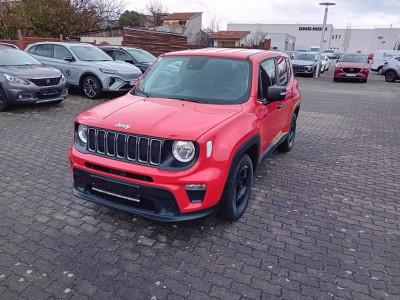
column 311, row 28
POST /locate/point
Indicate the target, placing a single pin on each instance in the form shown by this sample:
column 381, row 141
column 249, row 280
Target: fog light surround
column 196, row 192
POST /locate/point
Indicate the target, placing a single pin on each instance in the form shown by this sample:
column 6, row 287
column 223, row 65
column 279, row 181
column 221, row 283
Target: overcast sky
column 360, row 13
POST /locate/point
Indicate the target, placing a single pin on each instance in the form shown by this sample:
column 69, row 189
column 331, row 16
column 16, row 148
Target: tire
column 379, row 70
column 287, row 144
column 4, row 105
column 390, row 76
column 364, row 80
column 91, row 87
column 237, row 190
column 335, row 79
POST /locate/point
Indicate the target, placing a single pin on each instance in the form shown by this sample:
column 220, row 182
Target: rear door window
column 44, row 50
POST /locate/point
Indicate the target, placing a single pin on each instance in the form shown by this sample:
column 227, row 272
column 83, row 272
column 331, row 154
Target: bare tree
column 214, row 25
column 256, row 37
column 157, row 10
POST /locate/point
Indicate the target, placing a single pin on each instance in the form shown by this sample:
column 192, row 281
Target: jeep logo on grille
column 125, row 126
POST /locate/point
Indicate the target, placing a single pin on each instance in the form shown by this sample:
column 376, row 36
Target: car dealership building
column 347, row 40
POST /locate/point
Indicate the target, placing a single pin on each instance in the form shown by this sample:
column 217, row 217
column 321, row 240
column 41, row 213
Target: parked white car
column 325, row 62
column 380, row 56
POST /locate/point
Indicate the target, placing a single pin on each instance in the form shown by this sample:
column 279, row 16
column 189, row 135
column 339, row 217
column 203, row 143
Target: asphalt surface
column 323, row 221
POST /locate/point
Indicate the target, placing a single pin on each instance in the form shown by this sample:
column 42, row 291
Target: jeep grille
column 123, row 146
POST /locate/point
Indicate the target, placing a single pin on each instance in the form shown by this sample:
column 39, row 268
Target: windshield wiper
column 193, row 100
column 147, row 95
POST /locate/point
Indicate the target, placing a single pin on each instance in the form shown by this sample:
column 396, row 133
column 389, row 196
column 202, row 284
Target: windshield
column 15, row 57
column 90, row 53
column 305, row 56
column 141, row 56
column 314, row 49
column 353, row 58
column 328, row 51
column 198, row 78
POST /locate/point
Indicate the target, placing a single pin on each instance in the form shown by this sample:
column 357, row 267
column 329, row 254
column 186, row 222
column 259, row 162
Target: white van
column 380, row 56
column 314, row 49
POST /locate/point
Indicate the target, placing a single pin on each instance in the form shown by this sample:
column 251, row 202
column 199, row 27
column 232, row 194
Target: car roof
column 66, row 44
column 7, row 45
column 118, row 47
column 240, row 53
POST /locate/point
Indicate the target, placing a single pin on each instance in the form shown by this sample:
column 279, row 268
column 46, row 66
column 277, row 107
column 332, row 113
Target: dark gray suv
column 23, row 79
column 135, row 56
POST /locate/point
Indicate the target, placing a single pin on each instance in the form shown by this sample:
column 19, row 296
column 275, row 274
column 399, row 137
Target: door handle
column 280, row 105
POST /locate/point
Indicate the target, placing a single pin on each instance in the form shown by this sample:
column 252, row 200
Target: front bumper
column 31, row 94
column 122, row 83
column 343, row 75
column 154, row 203
column 161, row 194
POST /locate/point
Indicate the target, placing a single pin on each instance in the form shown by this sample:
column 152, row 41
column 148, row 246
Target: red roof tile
column 229, row 35
column 184, row 16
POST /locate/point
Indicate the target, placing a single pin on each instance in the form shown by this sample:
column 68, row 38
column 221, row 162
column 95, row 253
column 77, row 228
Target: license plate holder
column 121, row 190
column 49, row 92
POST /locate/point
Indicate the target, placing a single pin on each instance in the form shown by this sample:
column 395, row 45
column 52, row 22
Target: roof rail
column 9, row 45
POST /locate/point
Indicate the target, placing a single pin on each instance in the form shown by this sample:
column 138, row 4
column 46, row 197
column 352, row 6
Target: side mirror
column 69, row 58
column 276, row 93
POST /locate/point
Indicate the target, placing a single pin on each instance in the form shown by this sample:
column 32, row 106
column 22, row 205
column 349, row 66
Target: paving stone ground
column 323, row 221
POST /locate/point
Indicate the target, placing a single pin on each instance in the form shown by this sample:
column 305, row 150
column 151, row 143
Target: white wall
column 193, row 27
column 307, row 35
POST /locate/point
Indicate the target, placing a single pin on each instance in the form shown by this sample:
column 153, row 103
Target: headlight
column 16, row 79
column 183, row 151
column 108, row 71
column 82, row 133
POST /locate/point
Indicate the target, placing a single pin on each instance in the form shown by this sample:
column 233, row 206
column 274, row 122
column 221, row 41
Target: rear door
column 67, row 67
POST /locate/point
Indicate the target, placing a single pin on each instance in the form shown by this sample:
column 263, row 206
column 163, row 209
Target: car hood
column 352, row 65
column 119, row 66
column 164, row 118
column 31, row 71
column 300, row 62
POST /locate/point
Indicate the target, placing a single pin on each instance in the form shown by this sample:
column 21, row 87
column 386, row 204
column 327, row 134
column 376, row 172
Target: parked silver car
column 391, row 69
column 23, row 79
column 86, row 66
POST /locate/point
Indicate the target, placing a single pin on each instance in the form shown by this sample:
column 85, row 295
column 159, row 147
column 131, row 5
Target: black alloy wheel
column 237, row 189
column 3, row 102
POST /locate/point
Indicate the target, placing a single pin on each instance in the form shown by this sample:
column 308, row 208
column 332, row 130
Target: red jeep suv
column 186, row 141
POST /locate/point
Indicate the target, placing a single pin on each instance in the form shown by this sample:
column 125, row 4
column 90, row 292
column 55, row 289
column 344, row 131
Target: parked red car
column 352, row 66
column 185, row 142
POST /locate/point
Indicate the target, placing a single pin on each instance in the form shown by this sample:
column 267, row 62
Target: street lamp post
column 322, row 36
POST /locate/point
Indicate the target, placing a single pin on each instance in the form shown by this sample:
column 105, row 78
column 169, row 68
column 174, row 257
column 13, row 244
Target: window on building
column 339, row 36
column 333, row 37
